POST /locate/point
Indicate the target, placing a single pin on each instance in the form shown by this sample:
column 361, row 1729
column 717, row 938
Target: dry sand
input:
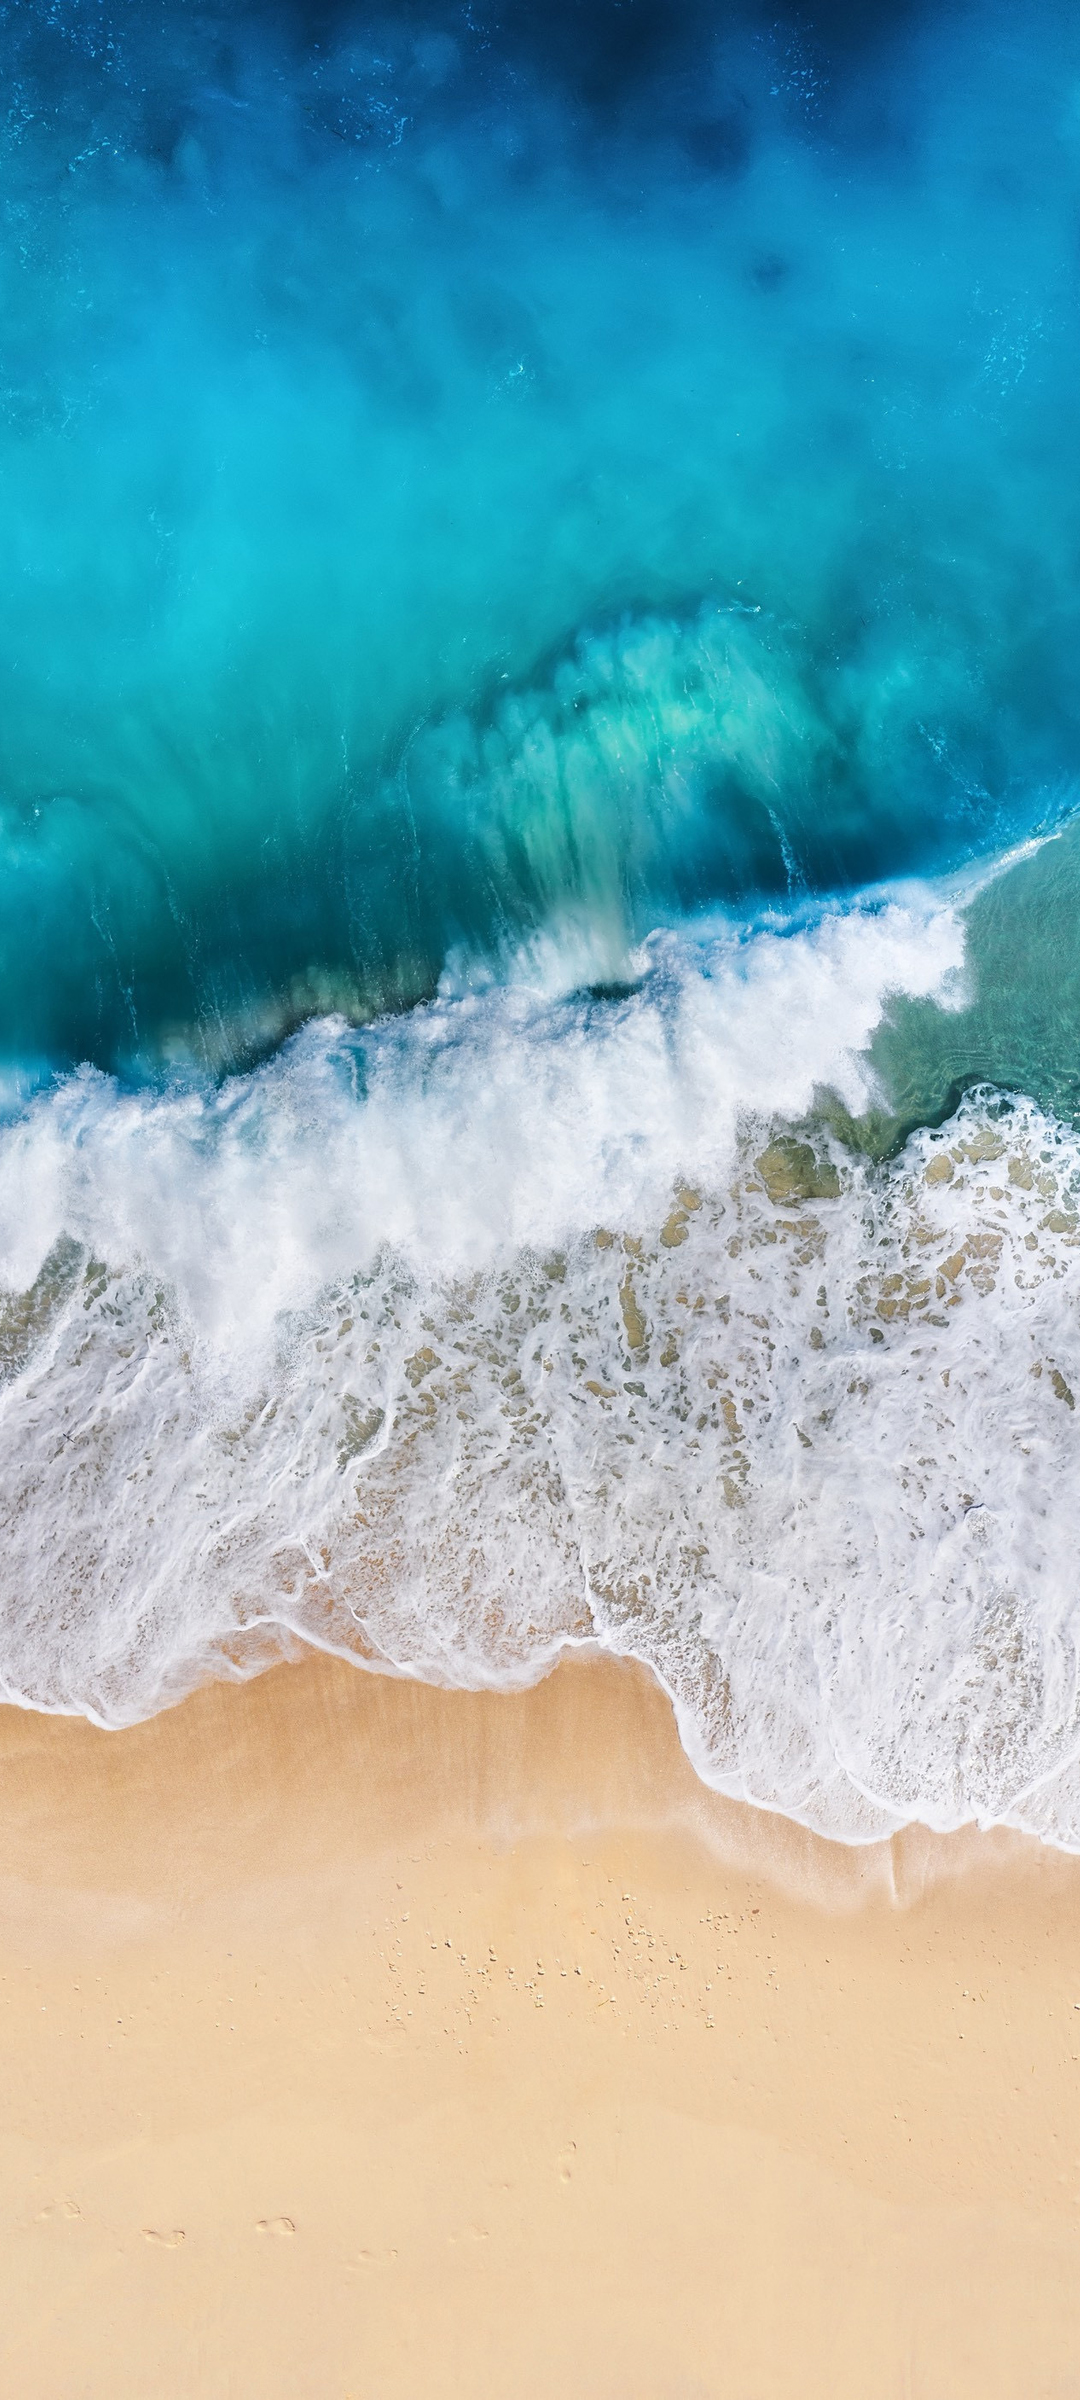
column 360, row 2039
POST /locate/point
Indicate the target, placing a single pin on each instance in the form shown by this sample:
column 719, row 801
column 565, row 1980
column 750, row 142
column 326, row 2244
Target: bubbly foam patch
column 799, row 1431
column 495, row 1119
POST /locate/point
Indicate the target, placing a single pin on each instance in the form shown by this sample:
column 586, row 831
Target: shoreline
column 498, row 1761
column 364, row 2038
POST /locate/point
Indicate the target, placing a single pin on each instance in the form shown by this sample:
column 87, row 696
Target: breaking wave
column 411, row 1345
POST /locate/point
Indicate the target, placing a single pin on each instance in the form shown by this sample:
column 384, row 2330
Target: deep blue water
column 463, row 470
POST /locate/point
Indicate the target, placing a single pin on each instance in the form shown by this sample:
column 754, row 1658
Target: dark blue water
column 468, row 473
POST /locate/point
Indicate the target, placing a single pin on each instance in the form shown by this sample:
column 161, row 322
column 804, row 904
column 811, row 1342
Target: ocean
column 539, row 869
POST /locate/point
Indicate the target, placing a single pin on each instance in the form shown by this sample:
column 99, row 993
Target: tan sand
column 365, row 2040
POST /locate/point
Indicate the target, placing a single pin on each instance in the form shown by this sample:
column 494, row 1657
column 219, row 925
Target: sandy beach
column 363, row 2042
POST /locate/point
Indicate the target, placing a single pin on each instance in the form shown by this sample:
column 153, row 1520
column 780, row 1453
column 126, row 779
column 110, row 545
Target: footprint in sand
column 275, row 2225
column 164, row 2241
column 56, row 2212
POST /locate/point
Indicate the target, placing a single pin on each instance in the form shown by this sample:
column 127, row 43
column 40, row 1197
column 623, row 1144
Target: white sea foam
column 511, row 1325
column 463, row 1131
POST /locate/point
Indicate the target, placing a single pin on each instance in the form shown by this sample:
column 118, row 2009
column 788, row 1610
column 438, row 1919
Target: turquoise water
column 539, row 983
column 438, row 500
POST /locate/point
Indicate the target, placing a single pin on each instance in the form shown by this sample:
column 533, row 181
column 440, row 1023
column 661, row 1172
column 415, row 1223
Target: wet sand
column 366, row 2042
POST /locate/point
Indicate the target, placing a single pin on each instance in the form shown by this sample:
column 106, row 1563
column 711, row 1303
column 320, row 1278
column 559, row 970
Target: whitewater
column 412, row 1344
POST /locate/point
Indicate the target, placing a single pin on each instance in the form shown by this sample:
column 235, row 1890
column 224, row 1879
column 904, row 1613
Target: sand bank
column 365, row 2042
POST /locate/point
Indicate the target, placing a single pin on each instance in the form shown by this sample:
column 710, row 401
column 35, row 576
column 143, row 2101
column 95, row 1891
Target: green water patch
column 1020, row 1027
